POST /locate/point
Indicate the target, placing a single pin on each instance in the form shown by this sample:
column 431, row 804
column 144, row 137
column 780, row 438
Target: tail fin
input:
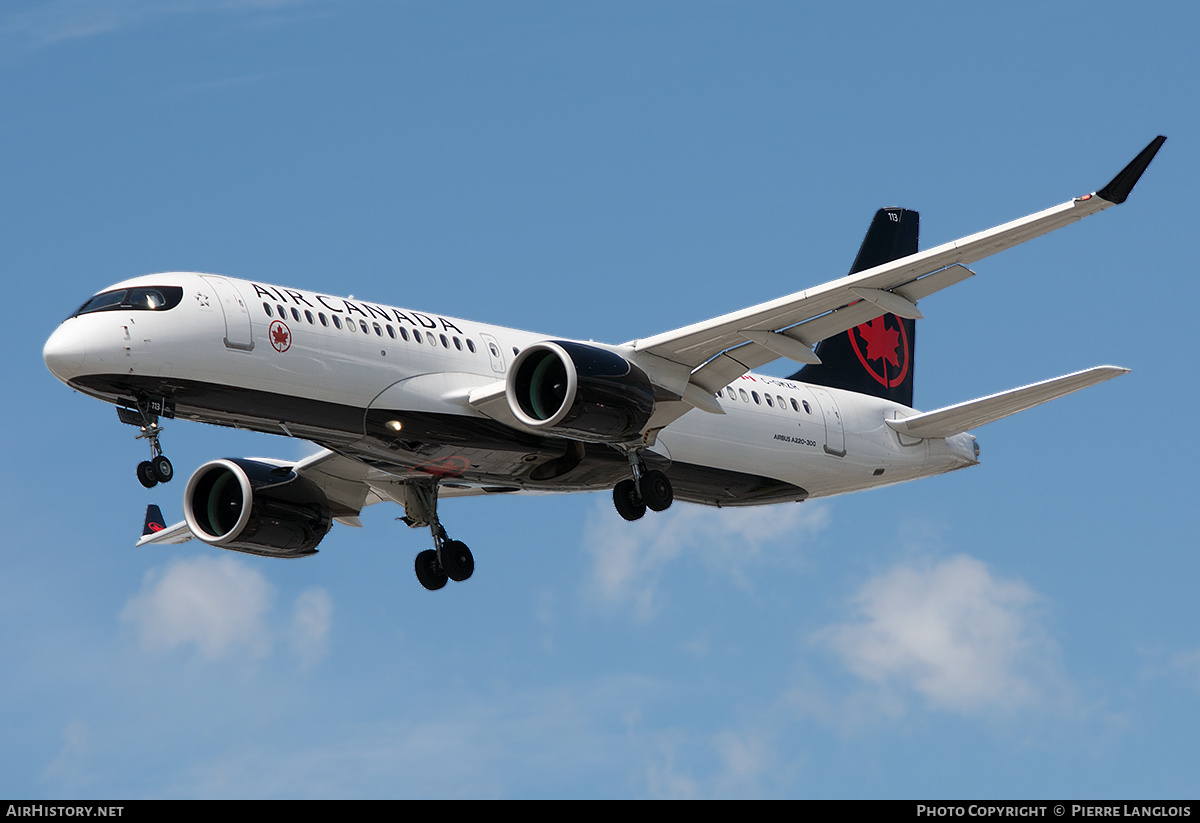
column 154, row 520
column 876, row 357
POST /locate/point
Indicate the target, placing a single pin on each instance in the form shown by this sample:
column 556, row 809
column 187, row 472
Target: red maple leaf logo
column 882, row 342
column 281, row 338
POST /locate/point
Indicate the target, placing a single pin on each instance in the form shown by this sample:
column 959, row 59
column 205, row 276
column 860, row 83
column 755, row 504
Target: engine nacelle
column 254, row 507
column 579, row 391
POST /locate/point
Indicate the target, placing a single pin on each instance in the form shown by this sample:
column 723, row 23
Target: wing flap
column 960, row 417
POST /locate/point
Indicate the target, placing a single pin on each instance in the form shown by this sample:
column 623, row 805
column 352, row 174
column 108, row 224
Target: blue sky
column 1026, row 628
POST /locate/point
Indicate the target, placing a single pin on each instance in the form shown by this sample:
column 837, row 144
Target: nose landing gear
column 158, row 468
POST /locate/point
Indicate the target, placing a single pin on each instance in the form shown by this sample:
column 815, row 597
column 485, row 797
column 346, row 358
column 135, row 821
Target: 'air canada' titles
column 367, row 310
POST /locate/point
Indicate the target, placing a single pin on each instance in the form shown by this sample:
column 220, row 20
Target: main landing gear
column 645, row 490
column 158, row 468
column 448, row 559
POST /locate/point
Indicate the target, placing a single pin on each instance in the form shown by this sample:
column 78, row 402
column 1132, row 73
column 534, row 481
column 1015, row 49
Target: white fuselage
column 311, row 365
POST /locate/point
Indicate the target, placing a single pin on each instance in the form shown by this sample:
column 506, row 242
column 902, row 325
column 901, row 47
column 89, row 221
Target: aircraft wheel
column 429, row 571
column 656, row 490
column 146, row 475
column 162, row 468
column 457, row 560
column 629, row 504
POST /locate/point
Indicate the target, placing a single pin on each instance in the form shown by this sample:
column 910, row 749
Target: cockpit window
column 142, row 298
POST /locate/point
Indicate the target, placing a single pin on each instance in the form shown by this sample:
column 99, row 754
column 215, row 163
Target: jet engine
column 579, row 391
column 254, row 507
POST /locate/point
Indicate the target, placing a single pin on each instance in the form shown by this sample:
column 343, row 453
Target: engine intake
column 254, row 507
column 579, row 391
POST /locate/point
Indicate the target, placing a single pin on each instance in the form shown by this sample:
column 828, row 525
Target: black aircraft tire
column 162, row 468
column 146, row 475
column 429, row 571
column 457, row 560
column 657, row 491
column 629, row 504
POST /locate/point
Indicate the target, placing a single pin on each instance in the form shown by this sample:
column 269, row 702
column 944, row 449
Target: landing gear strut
column 646, row 490
column 158, row 468
column 448, row 559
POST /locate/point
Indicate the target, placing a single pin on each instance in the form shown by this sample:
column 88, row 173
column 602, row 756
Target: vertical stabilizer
column 876, row 357
column 154, row 521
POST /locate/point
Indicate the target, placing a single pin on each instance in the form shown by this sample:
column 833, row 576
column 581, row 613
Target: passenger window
column 378, row 331
column 322, row 318
column 745, row 397
column 267, row 309
column 296, row 315
column 337, row 322
column 470, row 345
column 363, row 324
column 308, row 316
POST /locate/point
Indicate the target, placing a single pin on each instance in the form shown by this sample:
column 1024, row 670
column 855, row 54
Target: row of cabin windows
column 349, row 325
column 776, row 402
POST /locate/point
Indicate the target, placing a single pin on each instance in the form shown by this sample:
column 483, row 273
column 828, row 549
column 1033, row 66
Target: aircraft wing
column 724, row 348
column 349, row 486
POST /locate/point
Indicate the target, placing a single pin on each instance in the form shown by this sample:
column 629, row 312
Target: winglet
column 154, row 520
column 1119, row 187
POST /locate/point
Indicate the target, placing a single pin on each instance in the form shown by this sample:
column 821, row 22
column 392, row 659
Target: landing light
column 394, row 425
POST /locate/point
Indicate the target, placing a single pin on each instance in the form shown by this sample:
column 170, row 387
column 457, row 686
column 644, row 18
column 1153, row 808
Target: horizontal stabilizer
column 959, row 418
column 179, row 533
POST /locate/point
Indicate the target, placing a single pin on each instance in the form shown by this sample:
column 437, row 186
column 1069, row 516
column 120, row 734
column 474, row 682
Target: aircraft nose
column 65, row 351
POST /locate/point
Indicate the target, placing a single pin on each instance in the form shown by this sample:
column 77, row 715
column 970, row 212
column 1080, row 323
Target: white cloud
column 70, row 766
column 630, row 558
column 222, row 607
column 311, row 619
column 218, row 604
column 746, row 757
column 957, row 635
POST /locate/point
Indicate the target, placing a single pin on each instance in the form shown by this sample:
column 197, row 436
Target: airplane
column 412, row 407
